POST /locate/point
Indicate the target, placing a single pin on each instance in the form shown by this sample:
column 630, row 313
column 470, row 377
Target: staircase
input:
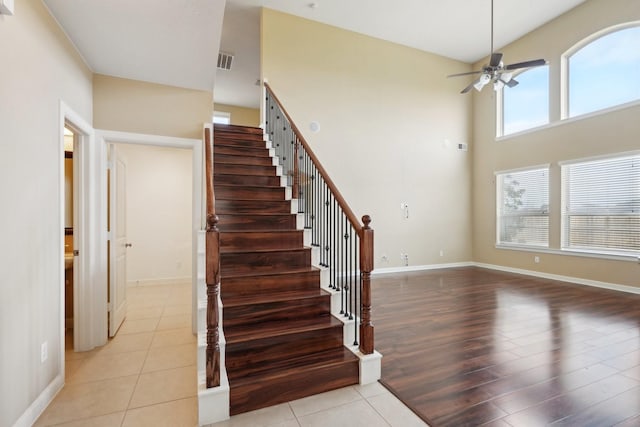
column 282, row 342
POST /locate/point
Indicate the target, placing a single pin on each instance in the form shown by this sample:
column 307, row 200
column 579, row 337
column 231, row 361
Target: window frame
column 565, row 72
column 499, row 202
column 565, row 194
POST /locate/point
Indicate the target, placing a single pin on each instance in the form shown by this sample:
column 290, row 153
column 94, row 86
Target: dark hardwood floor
column 470, row 346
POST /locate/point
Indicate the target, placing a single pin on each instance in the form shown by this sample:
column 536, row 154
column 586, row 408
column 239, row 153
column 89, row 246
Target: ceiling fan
column 501, row 75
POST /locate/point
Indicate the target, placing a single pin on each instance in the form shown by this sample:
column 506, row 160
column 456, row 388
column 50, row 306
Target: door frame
column 85, row 227
column 105, row 137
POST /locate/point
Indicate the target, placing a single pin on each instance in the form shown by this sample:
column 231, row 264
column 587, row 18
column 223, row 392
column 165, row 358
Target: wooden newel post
column 296, row 172
column 213, row 310
column 366, row 267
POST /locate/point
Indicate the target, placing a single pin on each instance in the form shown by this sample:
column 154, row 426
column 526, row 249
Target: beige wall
column 158, row 213
column 385, row 112
column 240, row 115
column 149, row 108
column 39, row 68
column 611, row 132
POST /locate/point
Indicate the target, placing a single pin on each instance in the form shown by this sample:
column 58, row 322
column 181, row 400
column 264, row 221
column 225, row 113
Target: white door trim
column 104, row 137
column 86, row 325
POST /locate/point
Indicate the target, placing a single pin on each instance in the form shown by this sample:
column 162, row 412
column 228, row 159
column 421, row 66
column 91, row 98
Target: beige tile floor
column 146, row 376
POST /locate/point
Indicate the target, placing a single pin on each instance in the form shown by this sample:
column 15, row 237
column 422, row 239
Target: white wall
column 39, row 68
column 158, row 212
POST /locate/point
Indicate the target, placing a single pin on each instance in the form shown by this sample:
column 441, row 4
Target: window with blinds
column 523, row 207
column 601, row 205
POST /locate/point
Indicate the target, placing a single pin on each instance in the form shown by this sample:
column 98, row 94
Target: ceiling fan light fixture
column 482, row 81
column 496, row 71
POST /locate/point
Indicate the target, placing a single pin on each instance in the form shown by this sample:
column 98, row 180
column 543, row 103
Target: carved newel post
column 366, row 266
column 213, row 310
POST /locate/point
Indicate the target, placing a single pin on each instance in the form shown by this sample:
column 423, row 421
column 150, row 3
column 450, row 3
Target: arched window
column 526, row 105
column 605, row 72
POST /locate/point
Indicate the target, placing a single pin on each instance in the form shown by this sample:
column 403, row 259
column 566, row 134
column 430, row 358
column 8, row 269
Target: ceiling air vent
column 224, row 61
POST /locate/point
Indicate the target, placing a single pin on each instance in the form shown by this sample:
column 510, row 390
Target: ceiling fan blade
column 526, row 64
column 468, row 88
column 464, row 74
column 512, row 83
column 495, row 59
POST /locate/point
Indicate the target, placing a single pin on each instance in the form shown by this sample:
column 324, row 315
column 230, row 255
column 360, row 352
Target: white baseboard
column 576, row 280
column 156, row 282
column 407, row 269
column 29, row 417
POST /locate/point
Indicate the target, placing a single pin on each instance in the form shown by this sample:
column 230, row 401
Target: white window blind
column 601, row 205
column 523, row 207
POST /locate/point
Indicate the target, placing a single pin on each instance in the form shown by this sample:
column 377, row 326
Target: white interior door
column 118, row 246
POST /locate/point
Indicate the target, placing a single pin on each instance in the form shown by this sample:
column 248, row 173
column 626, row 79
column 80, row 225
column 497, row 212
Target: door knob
column 128, row 245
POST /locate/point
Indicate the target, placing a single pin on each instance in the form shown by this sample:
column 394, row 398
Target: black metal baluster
column 307, row 205
column 318, row 210
column 334, row 230
column 327, row 224
column 300, row 175
column 350, row 241
column 357, row 287
column 340, row 274
column 323, row 224
column 345, row 264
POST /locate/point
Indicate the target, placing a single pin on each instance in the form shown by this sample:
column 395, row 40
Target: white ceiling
column 176, row 42
column 172, row 42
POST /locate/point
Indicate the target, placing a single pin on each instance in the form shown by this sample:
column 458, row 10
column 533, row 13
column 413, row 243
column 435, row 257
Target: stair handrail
column 353, row 219
column 363, row 230
column 212, row 268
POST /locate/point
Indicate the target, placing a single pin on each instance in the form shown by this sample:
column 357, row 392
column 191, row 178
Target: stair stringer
column 370, row 364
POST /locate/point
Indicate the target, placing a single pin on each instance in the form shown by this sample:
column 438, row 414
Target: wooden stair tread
column 249, row 187
column 283, row 368
column 236, row 169
column 259, row 231
column 253, row 200
column 236, row 143
column 263, row 251
column 244, row 150
column 256, row 214
column 266, row 297
column 224, row 126
column 244, row 333
column 267, row 272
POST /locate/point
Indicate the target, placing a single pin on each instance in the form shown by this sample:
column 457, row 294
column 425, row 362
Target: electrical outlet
column 536, row 259
column 44, row 352
column 405, row 257
column 441, row 252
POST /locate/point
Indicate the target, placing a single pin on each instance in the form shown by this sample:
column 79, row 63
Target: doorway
column 70, row 145
column 123, row 139
column 150, row 213
column 75, row 231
